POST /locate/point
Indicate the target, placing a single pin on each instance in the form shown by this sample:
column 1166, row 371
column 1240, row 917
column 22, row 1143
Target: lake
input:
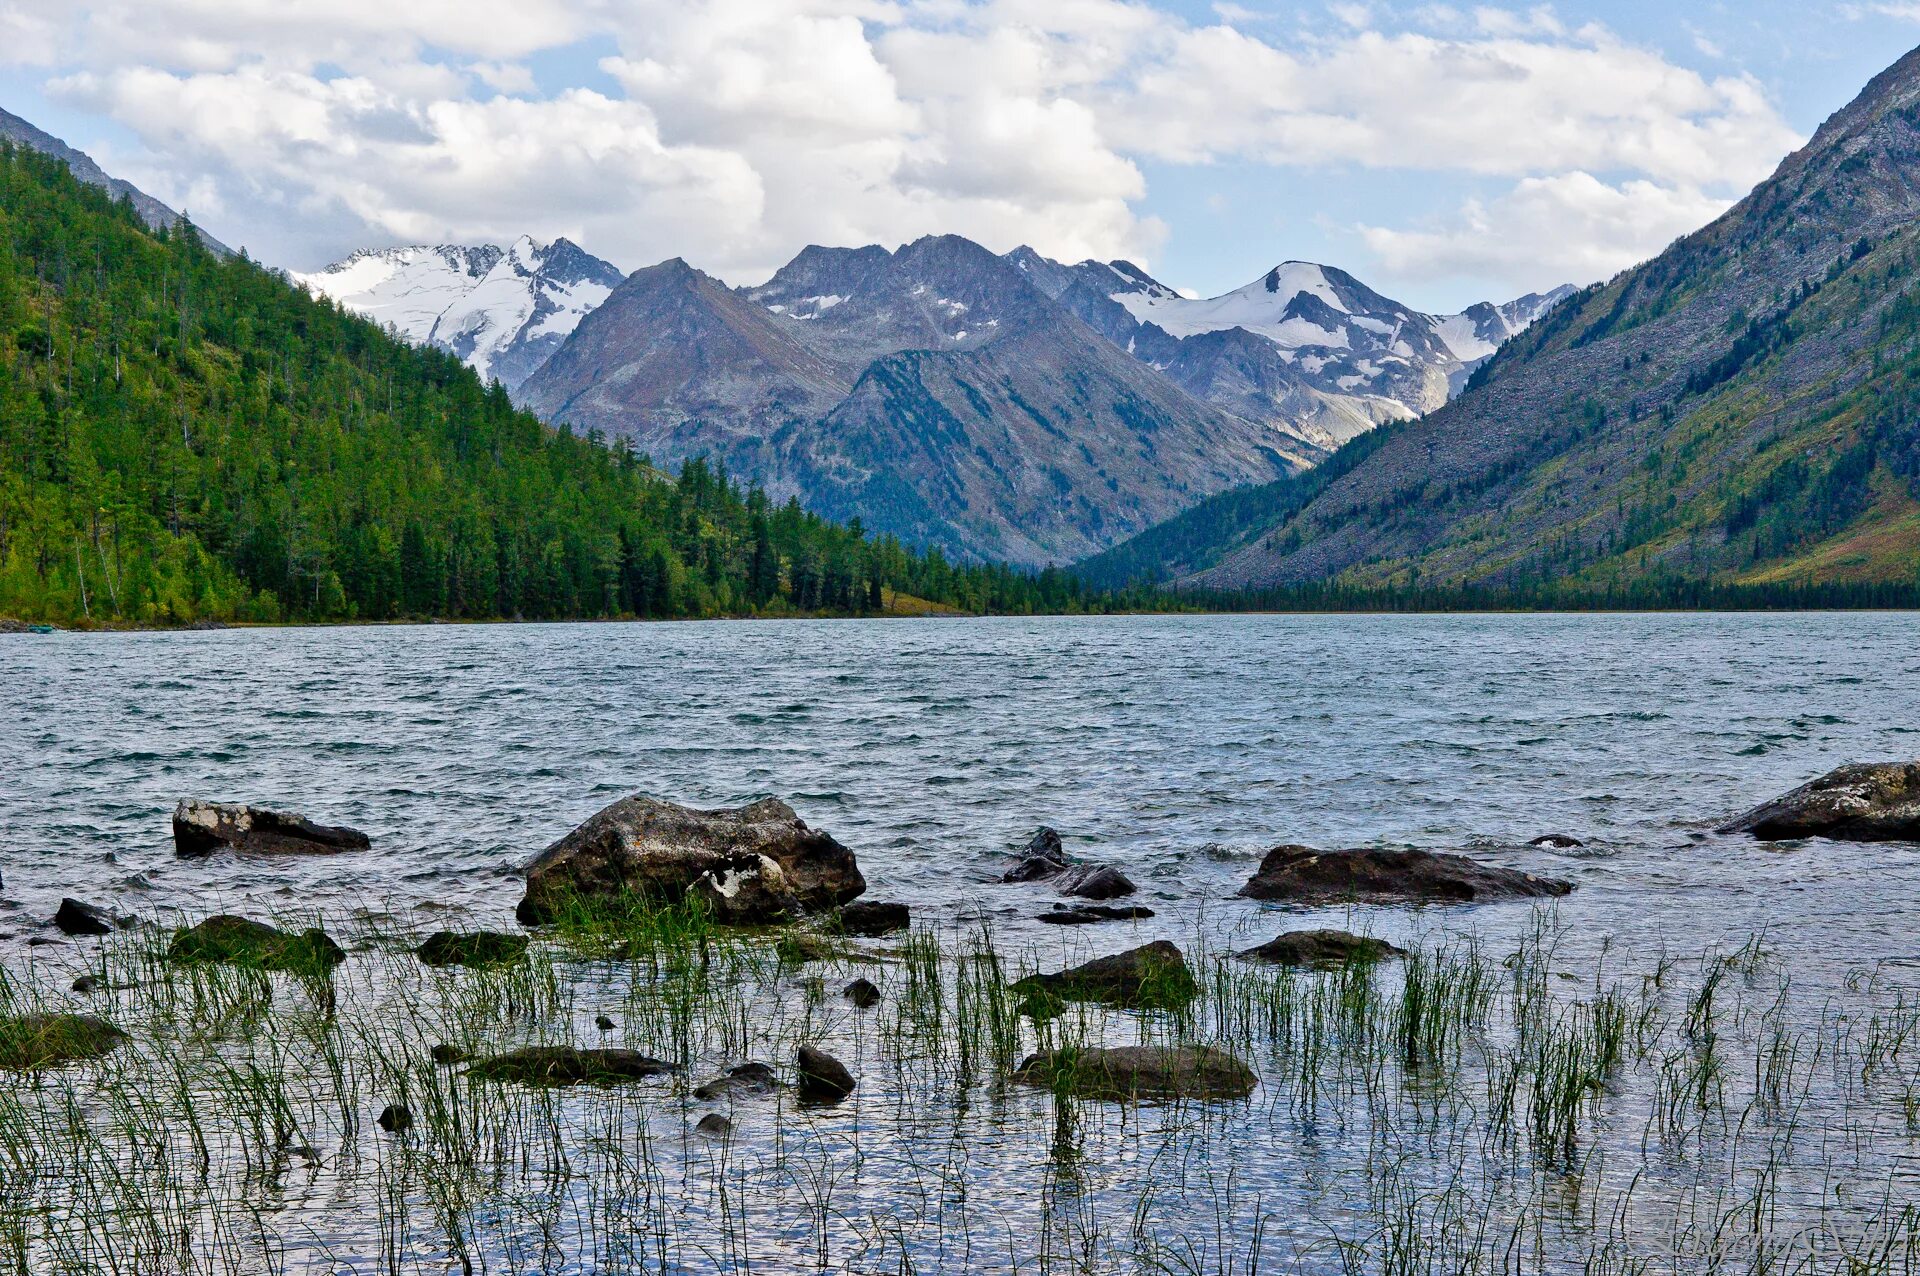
column 1179, row 748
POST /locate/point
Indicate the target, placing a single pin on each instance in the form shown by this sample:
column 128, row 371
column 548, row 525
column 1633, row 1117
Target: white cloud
column 1546, row 231
column 732, row 132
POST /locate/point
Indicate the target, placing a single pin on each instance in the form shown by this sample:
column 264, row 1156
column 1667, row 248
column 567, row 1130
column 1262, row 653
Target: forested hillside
column 185, row 438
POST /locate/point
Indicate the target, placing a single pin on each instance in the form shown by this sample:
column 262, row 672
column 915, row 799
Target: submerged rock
column 76, row 918
column 1301, row 874
column 746, row 1080
column 239, row 941
column 1152, row 976
column 1140, row 1072
column 714, row 1126
column 751, row 864
column 1556, row 842
column 871, row 919
column 1044, row 857
column 1094, row 881
column 823, row 1078
column 1860, row 802
column 200, row 828
column 395, row 1117
column 480, row 948
column 569, row 1065
column 1091, row 914
column 1322, row 948
column 45, row 1041
column 862, row 993
column 446, row 1056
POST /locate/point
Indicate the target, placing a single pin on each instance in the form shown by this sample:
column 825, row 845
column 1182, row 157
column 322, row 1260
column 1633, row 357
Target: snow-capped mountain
column 502, row 310
column 1306, row 349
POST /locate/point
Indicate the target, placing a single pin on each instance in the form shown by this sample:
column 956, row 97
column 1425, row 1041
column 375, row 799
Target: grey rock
column 76, row 918
column 1322, row 948
column 1093, row 914
column 200, row 828
column 1140, row 1072
column 822, row 1078
column 751, row 865
column 1860, row 802
column 1094, row 881
column 1300, row 874
column 569, row 1065
column 1044, row 857
column 714, row 1126
column 862, row 993
column 1152, row 976
column 871, row 919
column 748, row 1079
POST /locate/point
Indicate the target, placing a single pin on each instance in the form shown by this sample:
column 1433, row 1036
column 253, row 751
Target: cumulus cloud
column 1545, row 231
column 732, row 132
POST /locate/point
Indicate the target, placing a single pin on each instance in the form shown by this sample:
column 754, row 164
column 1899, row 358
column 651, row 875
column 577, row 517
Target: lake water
column 1178, row 748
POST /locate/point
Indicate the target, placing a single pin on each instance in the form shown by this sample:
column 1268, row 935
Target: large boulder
column 1151, row 976
column 1860, row 802
column 750, row 864
column 1140, row 1072
column 45, row 1041
column 240, row 941
column 201, row 828
column 569, row 1065
column 1322, row 948
column 1300, row 874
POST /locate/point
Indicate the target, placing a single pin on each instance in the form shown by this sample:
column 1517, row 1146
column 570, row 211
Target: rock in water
column 1091, row 914
column 1321, row 948
column 823, row 1078
column 1151, row 976
column 747, row 1079
column 479, row 949
column 862, row 993
column 76, row 918
column 751, row 865
column 200, row 828
column 395, row 1117
column 1094, row 881
column 1140, row 1072
column 714, row 1126
column 238, row 941
column 872, row 919
column 45, row 1041
column 1044, row 857
column 569, row 1065
column 1301, row 874
column 1861, row 802
column 1557, row 842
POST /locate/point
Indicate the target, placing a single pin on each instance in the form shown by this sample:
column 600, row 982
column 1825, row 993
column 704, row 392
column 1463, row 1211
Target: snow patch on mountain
column 503, row 311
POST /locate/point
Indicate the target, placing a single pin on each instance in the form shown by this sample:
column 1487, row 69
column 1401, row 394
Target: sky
column 1445, row 153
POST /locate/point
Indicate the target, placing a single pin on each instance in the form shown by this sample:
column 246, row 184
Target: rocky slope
column 933, row 392
column 152, row 211
column 504, row 311
column 1741, row 409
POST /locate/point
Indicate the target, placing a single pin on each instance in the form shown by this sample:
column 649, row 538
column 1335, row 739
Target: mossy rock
column 478, row 949
column 45, row 1041
column 1151, row 977
column 239, row 941
column 569, row 1065
column 1140, row 1072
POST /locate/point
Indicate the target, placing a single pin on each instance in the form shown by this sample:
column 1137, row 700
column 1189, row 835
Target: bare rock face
column 751, row 864
column 1153, row 975
column 1860, row 802
column 1300, row 874
column 44, row 1041
column 1322, row 948
column 201, row 828
column 1140, row 1072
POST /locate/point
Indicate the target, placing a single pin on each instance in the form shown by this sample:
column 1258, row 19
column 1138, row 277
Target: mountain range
column 1002, row 407
column 1742, row 409
column 503, row 311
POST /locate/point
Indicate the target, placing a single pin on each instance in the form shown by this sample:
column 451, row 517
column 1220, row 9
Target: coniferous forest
column 186, row 437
